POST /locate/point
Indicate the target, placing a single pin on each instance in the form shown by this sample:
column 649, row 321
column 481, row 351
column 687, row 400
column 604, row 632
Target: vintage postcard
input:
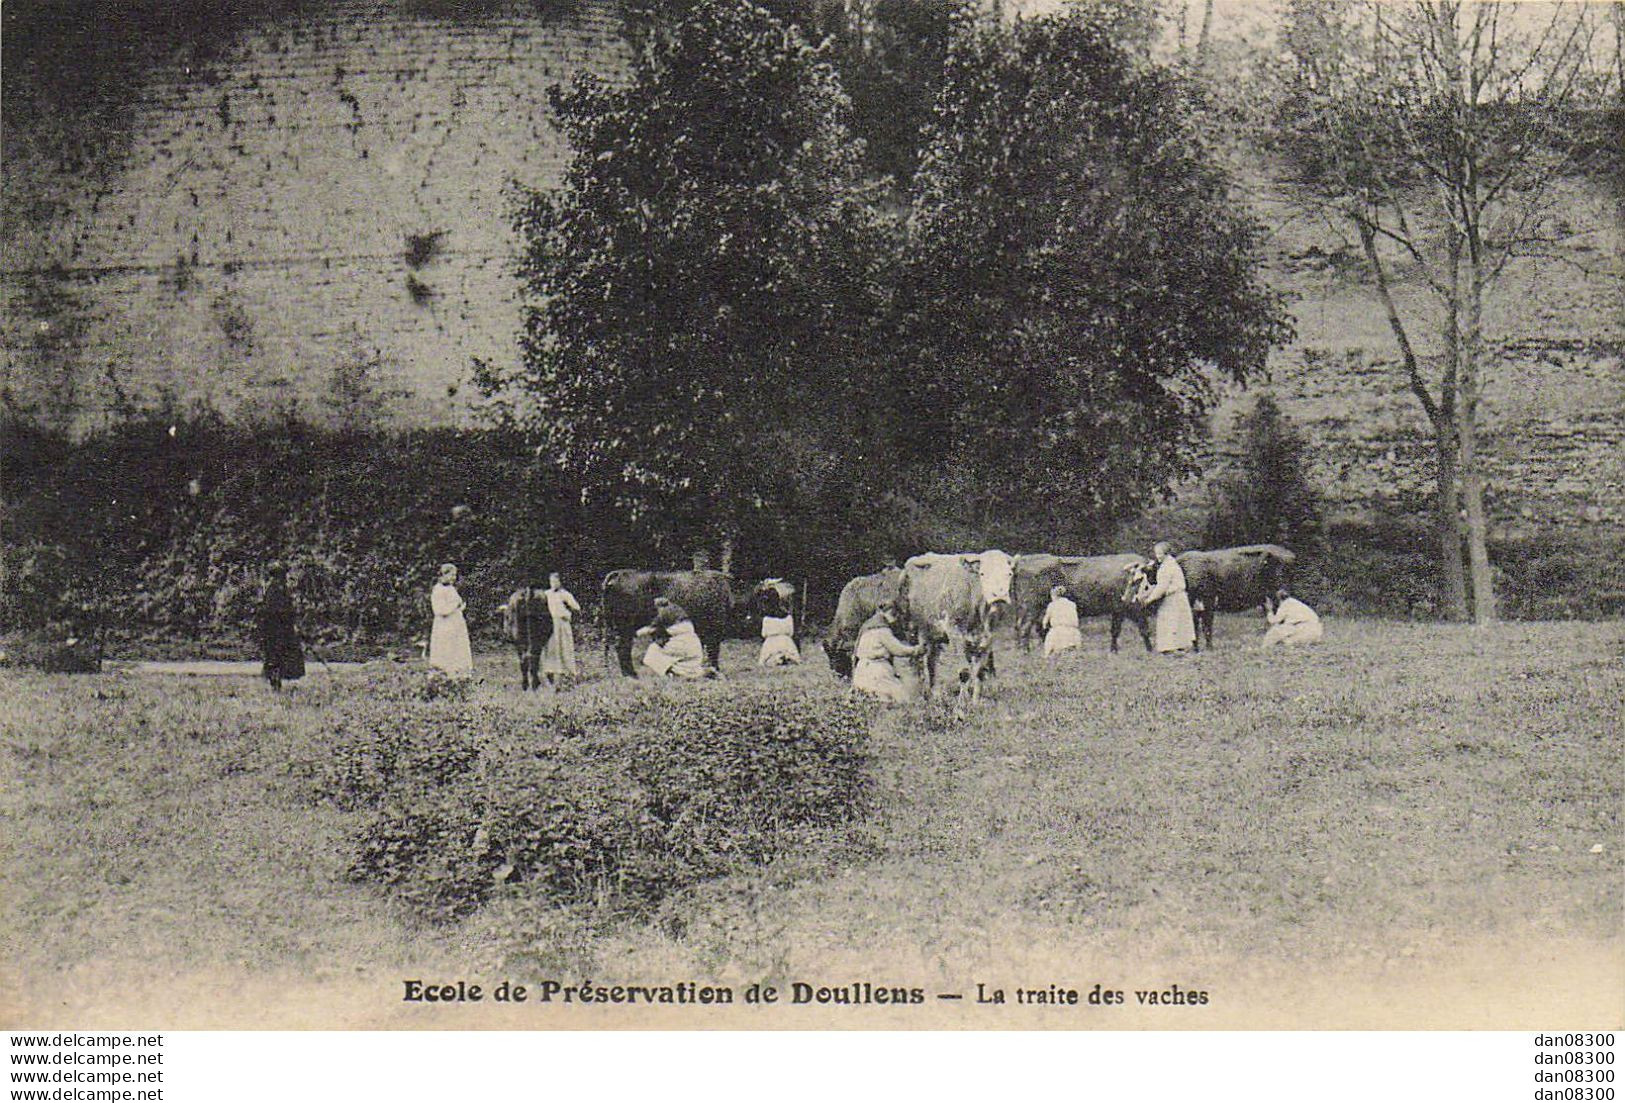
column 812, row 514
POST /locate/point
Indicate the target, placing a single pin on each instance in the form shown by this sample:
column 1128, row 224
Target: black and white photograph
column 762, row 515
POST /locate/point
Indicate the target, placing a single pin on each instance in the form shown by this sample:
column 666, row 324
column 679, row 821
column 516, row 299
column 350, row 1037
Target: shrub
column 418, row 750
column 1266, row 496
column 54, row 650
column 613, row 803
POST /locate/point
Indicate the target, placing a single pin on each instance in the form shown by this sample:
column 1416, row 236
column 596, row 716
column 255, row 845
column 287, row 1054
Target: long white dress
column 559, row 656
column 1293, row 622
column 681, row 656
column 448, row 639
column 1061, row 619
column 778, row 642
column 1176, row 628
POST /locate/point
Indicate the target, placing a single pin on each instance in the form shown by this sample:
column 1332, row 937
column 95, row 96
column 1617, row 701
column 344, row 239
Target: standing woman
column 559, row 658
column 284, row 659
column 1176, row 629
column 448, row 639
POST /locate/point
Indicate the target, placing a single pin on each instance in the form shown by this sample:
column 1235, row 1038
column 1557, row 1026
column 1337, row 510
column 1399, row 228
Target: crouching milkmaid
column 877, row 649
column 1291, row 621
column 778, row 629
column 676, row 651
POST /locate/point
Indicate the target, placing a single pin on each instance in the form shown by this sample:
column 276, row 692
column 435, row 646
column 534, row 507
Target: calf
column 528, row 625
column 947, row 597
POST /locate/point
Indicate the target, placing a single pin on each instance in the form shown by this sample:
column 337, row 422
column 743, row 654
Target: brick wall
column 256, row 233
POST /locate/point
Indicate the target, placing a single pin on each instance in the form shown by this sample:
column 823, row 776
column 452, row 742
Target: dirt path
column 217, row 667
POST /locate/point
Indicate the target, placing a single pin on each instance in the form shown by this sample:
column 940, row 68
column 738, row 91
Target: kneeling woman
column 1061, row 623
column 876, row 649
column 676, row 651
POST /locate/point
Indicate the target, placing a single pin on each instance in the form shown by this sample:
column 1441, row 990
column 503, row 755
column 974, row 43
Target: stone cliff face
column 313, row 214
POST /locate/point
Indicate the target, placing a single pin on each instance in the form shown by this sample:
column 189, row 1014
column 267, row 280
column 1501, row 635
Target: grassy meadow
column 1407, row 825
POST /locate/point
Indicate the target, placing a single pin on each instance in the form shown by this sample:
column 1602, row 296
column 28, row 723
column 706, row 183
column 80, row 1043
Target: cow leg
column 534, row 660
column 1117, row 628
column 713, row 656
column 970, row 682
column 1207, row 627
column 1143, row 622
column 623, row 652
column 932, row 647
column 524, row 672
column 980, row 660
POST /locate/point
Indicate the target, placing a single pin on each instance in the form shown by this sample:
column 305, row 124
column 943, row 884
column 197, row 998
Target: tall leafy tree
column 1080, row 278
column 1442, row 132
column 704, row 287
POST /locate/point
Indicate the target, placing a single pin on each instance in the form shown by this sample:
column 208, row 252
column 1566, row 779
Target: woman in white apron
column 448, row 639
column 680, row 654
column 877, row 647
column 1176, row 628
column 559, row 656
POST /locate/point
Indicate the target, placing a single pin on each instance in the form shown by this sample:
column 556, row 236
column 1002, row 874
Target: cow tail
column 603, row 620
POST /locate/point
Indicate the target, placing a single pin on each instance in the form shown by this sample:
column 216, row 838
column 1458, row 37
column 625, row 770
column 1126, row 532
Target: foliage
column 706, row 275
column 889, row 55
column 1267, row 497
column 613, row 803
column 170, row 523
column 1080, row 276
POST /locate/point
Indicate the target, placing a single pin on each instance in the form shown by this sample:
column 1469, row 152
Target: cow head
column 995, row 570
column 1136, row 580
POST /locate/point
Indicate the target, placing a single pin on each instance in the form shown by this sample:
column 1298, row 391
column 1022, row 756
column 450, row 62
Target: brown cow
column 859, row 600
column 1094, row 582
column 1224, row 580
column 720, row 607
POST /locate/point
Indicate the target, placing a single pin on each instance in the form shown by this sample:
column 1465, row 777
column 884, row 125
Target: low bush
column 420, row 750
column 54, row 649
column 613, row 802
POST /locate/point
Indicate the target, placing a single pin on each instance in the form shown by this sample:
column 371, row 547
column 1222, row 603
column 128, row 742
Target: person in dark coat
column 279, row 639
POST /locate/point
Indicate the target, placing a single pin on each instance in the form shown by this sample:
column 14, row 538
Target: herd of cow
column 944, row 598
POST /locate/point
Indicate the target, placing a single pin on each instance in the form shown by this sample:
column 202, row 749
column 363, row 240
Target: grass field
column 1408, row 824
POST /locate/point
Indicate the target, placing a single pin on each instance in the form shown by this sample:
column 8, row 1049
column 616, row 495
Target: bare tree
column 1441, row 130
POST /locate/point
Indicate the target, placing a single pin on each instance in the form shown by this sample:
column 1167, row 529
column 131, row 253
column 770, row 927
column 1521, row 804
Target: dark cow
column 720, row 607
column 859, row 600
column 528, row 625
column 948, row 597
column 1094, row 582
column 1224, row 580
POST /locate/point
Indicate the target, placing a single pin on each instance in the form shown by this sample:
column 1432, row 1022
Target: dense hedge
column 616, row 802
column 168, row 525
column 159, row 531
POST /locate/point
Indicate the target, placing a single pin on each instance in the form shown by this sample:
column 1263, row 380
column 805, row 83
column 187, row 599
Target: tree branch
column 1413, row 371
